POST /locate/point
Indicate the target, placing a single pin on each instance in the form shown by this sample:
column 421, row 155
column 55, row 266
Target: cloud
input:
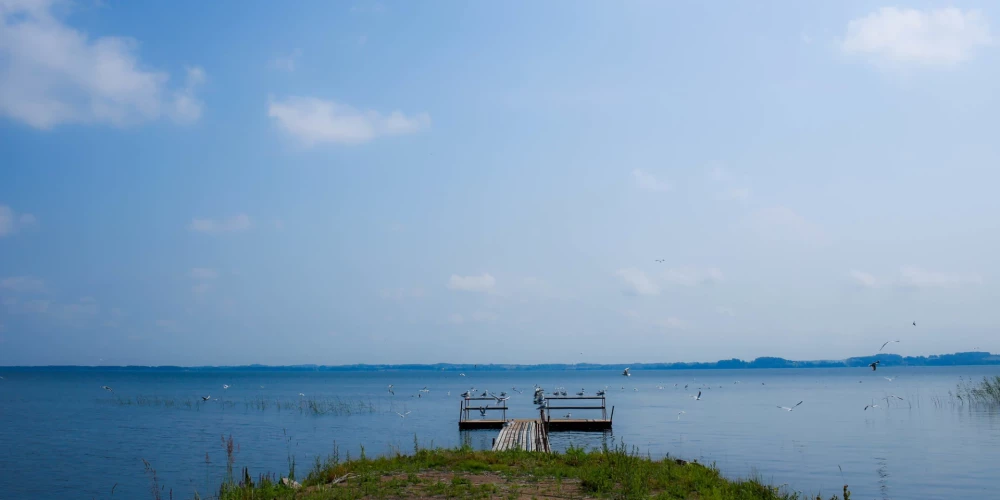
column 316, row 121
column 732, row 188
column 481, row 283
column 921, row 278
column 690, row 276
column 636, row 282
column 187, row 107
column 784, row 223
column 864, row 279
column 671, row 323
column 936, row 37
column 12, row 222
column 236, row 223
column 725, row 311
column 203, row 273
column 648, row 182
column 286, row 62
column 23, row 284
column 52, row 74
column 912, row 277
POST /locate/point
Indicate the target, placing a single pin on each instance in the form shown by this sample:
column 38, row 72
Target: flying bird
column 698, row 397
column 461, row 374
column 885, row 344
column 890, row 379
column 659, row 260
column 873, row 405
column 302, row 395
column 402, row 415
column 679, row 414
column 206, row 398
column 874, row 365
column 106, row 388
column 626, row 373
column 791, row 408
column 225, row 386
column 914, row 323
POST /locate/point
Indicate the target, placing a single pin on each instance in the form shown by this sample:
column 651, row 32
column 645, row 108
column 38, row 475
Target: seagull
column 461, row 374
column 887, row 343
column 225, row 386
column 581, row 393
column 874, row 365
column 601, row 392
column 206, row 398
column 482, row 411
column 873, row 405
column 894, row 396
column 106, row 388
column 569, row 415
column 889, row 378
column 792, row 408
column 402, row 415
column 679, row 414
column 659, row 260
column 425, row 389
column 698, row 397
column 626, row 373
column 302, row 395
column 914, row 323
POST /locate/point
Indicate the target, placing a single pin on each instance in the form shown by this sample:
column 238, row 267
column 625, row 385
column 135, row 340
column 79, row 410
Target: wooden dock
column 466, row 421
column 527, row 435
column 567, row 423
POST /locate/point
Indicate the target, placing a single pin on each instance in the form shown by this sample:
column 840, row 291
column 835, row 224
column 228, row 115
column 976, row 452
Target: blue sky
column 333, row 182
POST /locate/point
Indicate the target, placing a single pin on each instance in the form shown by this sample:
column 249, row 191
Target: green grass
column 617, row 473
column 986, row 392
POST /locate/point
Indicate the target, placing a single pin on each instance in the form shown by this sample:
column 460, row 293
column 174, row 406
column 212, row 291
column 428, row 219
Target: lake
column 62, row 436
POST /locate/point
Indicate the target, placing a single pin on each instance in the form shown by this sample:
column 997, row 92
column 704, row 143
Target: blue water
column 62, row 436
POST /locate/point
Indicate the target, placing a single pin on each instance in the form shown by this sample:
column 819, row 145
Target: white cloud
column 51, row 74
column 864, row 279
column 23, row 284
column 12, row 222
column 187, row 107
column 936, row 37
column 922, row 278
column 784, row 223
column 316, row 121
column 649, row 182
column 690, row 276
column 286, row 62
column 203, row 273
column 236, row 223
column 481, row 283
column 636, row 282
column 671, row 323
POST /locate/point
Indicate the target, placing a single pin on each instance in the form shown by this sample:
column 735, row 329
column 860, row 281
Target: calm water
column 62, row 436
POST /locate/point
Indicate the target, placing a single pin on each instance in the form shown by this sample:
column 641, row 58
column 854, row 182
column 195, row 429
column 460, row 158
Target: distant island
column 976, row 358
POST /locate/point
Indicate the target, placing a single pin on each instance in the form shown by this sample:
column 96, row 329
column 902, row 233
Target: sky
column 219, row 183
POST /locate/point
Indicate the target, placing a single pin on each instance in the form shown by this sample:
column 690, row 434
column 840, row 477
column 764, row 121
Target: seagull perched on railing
column 791, row 408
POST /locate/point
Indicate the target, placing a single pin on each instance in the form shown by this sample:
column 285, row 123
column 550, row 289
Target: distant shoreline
column 957, row 359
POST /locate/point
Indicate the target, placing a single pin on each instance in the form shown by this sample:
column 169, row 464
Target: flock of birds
column 541, row 401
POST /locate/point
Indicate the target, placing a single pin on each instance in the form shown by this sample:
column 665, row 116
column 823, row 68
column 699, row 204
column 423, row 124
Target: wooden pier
column 563, row 423
column 527, row 435
column 487, row 411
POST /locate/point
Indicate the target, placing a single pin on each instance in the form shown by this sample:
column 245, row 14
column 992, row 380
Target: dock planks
column 527, row 435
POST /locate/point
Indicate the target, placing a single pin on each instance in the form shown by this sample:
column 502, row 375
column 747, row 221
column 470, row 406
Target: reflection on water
column 933, row 447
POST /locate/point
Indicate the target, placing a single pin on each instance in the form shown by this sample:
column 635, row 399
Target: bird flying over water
column 679, row 414
column 698, row 397
column 890, row 379
column 106, row 388
column 885, row 344
column 874, row 365
column 872, row 405
column 225, row 386
column 786, row 408
column 626, row 373
column 402, row 415
column 914, row 323
column 302, row 395
column 206, row 398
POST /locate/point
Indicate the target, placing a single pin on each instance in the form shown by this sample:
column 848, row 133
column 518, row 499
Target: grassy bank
column 466, row 473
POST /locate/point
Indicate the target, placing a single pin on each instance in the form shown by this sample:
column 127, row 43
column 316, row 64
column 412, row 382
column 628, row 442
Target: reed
column 982, row 393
